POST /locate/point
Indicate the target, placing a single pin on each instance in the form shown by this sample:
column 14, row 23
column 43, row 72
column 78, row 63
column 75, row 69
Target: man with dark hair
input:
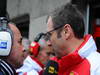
column 76, row 54
column 11, row 59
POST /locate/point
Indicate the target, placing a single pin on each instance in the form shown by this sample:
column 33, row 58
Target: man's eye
column 20, row 41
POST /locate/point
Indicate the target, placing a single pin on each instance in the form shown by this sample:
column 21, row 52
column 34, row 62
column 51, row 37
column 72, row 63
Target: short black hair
column 69, row 14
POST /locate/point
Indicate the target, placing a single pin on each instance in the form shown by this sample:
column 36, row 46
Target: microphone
column 51, row 68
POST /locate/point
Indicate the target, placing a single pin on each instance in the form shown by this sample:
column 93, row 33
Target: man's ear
column 67, row 31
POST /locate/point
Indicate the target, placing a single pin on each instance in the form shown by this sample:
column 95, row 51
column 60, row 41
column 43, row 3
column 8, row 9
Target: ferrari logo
column 71, row 73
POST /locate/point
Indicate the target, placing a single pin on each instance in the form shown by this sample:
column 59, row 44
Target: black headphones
column 5, row 37
column 38, row 37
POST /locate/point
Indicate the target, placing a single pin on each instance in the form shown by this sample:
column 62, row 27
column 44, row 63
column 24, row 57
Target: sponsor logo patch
column 3, row 44
column 73, row 73
column 52, row 70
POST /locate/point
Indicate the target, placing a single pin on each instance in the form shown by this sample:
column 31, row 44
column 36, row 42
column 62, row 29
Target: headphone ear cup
column 5, row 43
column 34, row 48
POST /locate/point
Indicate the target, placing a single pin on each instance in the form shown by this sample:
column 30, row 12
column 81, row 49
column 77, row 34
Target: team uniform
column 85, row 60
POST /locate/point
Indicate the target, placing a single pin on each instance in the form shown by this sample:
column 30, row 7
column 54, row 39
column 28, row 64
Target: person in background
column 11, row 52
column 75, row 52
column 39, row 55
